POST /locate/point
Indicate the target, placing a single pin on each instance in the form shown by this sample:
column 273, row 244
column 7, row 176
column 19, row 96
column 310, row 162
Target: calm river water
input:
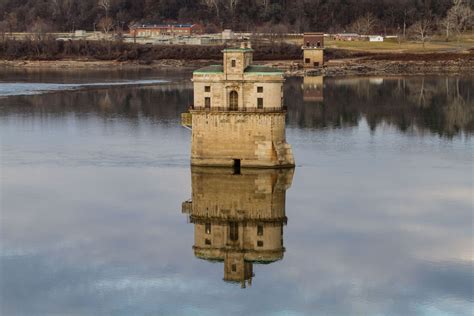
column 96, row 216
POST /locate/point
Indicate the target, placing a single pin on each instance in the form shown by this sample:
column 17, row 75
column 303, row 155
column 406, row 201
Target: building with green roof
column 256, row 138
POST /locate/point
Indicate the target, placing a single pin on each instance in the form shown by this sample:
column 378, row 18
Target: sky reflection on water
column 379, row 219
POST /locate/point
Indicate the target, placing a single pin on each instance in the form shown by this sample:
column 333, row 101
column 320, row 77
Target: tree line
column 362, row 16
column 47, row 48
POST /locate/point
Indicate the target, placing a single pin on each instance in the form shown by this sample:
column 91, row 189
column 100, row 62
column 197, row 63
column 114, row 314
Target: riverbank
column 361, row 66
column 62, row 55
column 369, row 67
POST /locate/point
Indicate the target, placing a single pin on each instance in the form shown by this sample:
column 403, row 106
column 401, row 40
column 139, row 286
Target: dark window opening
column 319, row 44
column 260, row 243
column 208, row 242
column 233, row 63
column 207, row 89
column 307, row 60
column 260, row 103
column 208, row 228
column 316, row 63
column 259, row 89
column 234, row 100
column 307, row 44
column 236, row 166
column 234, row 267
column 233, row 231
column 260, row 230
column 207, row 102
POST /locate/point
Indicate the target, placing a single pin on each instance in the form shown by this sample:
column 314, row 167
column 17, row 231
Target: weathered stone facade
column 238, row 115
column 238, row 219
column 313, row 57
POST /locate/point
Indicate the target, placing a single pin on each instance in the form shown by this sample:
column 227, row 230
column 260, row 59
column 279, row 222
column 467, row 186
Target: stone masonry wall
column 315, row 55
column 247, row 90
column 220, row 137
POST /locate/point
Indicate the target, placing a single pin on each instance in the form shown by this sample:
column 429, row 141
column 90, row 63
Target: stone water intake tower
column 238, row 117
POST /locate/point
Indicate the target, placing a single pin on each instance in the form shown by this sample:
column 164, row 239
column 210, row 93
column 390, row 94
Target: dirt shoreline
column 333, row 68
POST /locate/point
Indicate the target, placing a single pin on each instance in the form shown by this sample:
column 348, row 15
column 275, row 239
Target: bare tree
column 447, row 26
column 105, row 4
column 106, row 24
column 3, row 30
column 40, row 28
column 265, row 4
column 422, row 28
column 399, row 36
column 64, row 10
column 460, row 17
column 12, row 22
column 370, row 22
column 365, row 24
column 213, row 4
column 408, row 14
column 358, row 26
column 232, row 5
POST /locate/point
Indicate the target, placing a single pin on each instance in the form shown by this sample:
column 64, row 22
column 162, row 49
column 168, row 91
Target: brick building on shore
column 153, row 30
column 313, row 50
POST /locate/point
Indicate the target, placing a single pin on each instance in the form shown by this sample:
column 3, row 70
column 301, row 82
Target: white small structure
column 80, row 33
column 227, row 34
column 375, row 38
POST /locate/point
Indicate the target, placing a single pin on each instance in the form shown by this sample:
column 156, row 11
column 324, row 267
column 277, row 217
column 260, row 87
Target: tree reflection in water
column 418, row 104
column 440, row 105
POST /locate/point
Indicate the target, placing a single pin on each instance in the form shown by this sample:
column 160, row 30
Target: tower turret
column 236, row 60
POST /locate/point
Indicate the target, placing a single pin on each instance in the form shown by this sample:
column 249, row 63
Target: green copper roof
column 237, row 50
column 253, row 69
column 212, row 69
column 263, row 70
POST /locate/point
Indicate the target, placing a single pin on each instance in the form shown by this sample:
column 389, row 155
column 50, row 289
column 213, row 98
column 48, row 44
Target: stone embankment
column 376, row 64
column 393, row 68
column 388, row 64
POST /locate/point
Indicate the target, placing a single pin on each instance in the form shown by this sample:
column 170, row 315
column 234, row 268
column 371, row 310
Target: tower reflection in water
column 238, row 218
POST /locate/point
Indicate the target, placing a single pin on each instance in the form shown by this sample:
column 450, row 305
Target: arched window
column 233, row 100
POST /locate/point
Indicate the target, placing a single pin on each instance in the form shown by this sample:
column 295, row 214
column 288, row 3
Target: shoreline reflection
column 439, row 105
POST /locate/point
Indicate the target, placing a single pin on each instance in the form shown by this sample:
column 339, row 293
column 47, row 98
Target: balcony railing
column 186, row 119
column 311, row 46
column 249, row 110
column 187, row 207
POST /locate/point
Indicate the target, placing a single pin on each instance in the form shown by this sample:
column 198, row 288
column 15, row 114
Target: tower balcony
column 187, row 207
column 187, row 120
column 279, row 109
column 312, row 47
column 187, row 117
